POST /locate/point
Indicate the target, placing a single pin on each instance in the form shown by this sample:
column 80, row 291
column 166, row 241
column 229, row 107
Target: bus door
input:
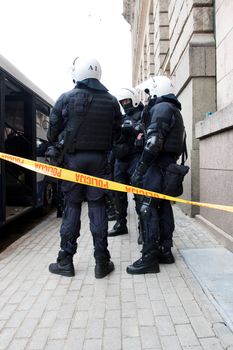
column 45, row 185
column 18, row 136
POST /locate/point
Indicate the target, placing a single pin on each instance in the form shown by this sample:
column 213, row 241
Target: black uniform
column 110, row 195
column 89, row 119
column 165, row 137
column 127, row 153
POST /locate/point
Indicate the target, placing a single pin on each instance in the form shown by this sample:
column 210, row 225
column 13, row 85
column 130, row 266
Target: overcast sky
column 42, row 37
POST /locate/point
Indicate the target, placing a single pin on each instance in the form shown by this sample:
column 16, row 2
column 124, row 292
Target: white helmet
column 84, row 68
column 129, row 93
column 157, row 86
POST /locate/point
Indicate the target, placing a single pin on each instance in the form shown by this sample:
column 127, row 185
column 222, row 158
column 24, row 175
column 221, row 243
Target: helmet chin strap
column 128, row 107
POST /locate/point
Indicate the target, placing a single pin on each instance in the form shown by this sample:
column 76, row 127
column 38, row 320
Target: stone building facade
column 190, row 41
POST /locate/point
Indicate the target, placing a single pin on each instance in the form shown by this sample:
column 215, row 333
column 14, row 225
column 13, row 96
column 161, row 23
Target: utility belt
column 75, row 151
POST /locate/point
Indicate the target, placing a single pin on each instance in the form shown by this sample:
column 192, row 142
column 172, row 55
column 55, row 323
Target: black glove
column 139, row 172
column 139, row 141
column 55, row 154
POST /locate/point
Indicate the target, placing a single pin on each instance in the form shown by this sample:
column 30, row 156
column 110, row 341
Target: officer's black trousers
column 90, row 163
column 123, row 170
column 159, row 223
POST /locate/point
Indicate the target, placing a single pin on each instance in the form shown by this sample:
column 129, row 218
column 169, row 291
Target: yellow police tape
column 84, row 179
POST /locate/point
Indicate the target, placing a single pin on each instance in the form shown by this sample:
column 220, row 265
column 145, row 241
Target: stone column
column 192, row 66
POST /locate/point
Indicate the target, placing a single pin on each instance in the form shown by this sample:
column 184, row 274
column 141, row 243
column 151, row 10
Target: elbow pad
column 154, row 144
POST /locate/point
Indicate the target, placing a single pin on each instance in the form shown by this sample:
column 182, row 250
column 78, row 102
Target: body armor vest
column 90, row 121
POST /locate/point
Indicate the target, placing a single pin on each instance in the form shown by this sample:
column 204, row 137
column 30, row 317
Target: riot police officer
column 90, row 119
column 127, row 152
column 165, row 138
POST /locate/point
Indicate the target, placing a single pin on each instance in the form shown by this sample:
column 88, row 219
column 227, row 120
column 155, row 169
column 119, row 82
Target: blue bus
column 24, row 115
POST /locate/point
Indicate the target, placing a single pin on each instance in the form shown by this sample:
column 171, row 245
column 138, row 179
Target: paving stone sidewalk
column 168, row 311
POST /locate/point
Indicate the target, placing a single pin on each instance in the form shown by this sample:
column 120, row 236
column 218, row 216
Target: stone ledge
column 221, row 236
column 215, row 123
column 202, row 39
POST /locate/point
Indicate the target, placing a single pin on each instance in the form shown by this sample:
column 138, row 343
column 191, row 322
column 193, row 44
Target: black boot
column 119, row 228
column 103, row 267
column 166, row 256
column 148, row 263
column 64, row 265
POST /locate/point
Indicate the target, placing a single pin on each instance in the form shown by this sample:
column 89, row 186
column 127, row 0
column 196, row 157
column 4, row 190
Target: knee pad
column 145, row 208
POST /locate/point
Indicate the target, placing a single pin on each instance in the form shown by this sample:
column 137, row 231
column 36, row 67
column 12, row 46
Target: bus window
column 45, row 189
column 42, row 124
column 17, row 142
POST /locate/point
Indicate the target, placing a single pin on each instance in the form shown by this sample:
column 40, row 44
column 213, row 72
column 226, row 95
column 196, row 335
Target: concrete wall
column 216, row 166
column 216, row 132
column 194, row 75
